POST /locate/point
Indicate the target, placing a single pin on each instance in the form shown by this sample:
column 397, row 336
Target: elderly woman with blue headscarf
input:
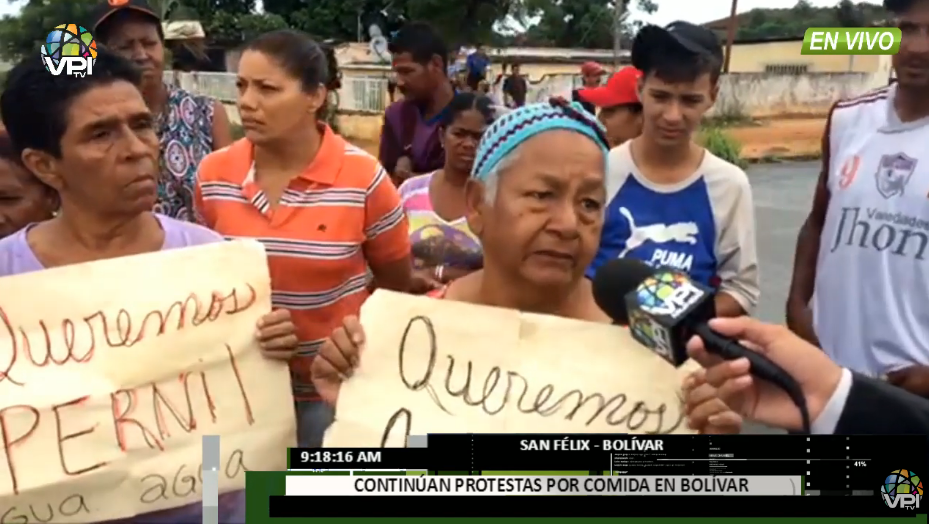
column 536, row 201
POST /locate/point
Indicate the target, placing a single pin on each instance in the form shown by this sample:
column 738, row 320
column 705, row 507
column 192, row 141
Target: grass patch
column 717, row 141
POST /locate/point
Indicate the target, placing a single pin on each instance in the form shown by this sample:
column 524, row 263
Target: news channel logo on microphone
column 656, row 308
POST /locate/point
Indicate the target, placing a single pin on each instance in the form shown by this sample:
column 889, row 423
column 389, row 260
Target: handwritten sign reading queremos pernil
column 111, row 372
column 439, row 366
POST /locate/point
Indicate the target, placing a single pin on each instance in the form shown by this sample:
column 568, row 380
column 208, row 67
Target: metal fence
column 358, row 93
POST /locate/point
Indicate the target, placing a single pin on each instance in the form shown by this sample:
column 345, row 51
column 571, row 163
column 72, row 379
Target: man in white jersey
column 862, row 252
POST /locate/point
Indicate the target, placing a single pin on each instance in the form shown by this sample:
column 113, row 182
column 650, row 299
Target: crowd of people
column 466, row 202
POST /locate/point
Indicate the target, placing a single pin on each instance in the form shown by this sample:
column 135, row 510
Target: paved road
column 782, row 193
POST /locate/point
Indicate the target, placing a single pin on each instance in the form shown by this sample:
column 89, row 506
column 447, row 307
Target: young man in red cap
column 592, row 75
column 619, row 108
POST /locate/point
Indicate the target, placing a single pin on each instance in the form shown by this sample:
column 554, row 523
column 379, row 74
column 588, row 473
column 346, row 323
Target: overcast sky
column 697, row 11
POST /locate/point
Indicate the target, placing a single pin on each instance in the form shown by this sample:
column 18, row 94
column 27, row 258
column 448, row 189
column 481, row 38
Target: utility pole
column 730, row 37
column 618, row 11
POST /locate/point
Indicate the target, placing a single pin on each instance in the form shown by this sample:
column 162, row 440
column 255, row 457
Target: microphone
column 666, row 308
column 613, row 281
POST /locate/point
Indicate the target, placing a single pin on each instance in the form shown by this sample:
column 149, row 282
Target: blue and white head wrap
column 516, row 126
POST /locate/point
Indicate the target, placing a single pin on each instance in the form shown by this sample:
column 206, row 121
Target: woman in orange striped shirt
column 325, row 210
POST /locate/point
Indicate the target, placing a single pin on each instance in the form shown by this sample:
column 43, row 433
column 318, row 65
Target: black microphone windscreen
column 616, row 279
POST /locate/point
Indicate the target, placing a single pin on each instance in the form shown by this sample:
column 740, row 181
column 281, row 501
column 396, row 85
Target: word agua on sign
column 569, row 444
column 155, row 488
column 501, row 389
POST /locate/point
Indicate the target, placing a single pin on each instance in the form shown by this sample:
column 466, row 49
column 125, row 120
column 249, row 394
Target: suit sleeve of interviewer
column 111, row 373
column 426, row 370
column 851, row 41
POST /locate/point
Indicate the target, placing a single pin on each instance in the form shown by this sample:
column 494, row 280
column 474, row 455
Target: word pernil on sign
column 851, row 41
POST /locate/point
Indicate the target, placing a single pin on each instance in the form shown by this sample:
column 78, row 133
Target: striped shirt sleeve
column 386, row 229
column 204, row 171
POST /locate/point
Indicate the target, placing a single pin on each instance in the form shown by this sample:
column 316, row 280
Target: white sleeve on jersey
column 734, row 214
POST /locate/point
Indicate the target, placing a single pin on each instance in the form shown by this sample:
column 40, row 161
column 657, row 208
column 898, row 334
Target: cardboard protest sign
column 112, row 371
column 440, row 366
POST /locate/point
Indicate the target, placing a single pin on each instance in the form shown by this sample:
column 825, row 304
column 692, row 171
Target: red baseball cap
column 621, row 88
column 592, row 68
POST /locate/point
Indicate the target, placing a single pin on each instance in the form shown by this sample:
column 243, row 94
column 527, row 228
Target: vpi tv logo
column 902, row 489
column 667, row 293
column 69, row 49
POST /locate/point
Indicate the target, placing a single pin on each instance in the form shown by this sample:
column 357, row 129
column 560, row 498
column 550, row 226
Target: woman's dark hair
column 104, row 30
column 299, row 55
column 674, row 65
column 7, row 151
column 9, row 154
column 35, row 103
column 332, row 68
column 466, row 102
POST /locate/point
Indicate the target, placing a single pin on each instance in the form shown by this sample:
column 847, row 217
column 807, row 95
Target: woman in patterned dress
column 189, row 126
column 444, row 247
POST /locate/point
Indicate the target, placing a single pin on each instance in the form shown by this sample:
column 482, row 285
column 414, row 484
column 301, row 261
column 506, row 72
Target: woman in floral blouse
column 189, row 126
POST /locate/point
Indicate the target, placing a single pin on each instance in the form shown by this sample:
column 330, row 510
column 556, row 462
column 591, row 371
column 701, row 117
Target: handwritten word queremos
column 501, row 389
column 76, row 340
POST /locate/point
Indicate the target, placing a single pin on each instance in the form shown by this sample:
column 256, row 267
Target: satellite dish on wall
column 378, row 44
column 379, row 49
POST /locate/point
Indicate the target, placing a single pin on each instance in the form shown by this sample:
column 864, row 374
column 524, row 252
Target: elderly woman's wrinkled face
column 545, row 219
column 135, row 37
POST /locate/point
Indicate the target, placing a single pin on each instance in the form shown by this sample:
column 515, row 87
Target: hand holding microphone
column 760, row 400
column 664, row 309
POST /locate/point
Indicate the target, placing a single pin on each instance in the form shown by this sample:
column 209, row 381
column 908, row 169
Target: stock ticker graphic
column 902, row 489
column 525, row 475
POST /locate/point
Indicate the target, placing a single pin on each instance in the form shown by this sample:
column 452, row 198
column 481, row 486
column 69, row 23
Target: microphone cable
column 760, row 366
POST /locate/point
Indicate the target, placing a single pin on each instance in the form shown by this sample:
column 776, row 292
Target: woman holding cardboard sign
column 535, row 199
column 92, row 141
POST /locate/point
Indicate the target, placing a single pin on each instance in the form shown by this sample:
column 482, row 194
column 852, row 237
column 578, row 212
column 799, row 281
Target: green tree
column 23, row 35
column 849, row 15
column 463, row 22
column 579, row 23
column 228, row 29
column 226, row 22
column 803, row 8
column 340, row 19
column 326, row 19
column 792, row 22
